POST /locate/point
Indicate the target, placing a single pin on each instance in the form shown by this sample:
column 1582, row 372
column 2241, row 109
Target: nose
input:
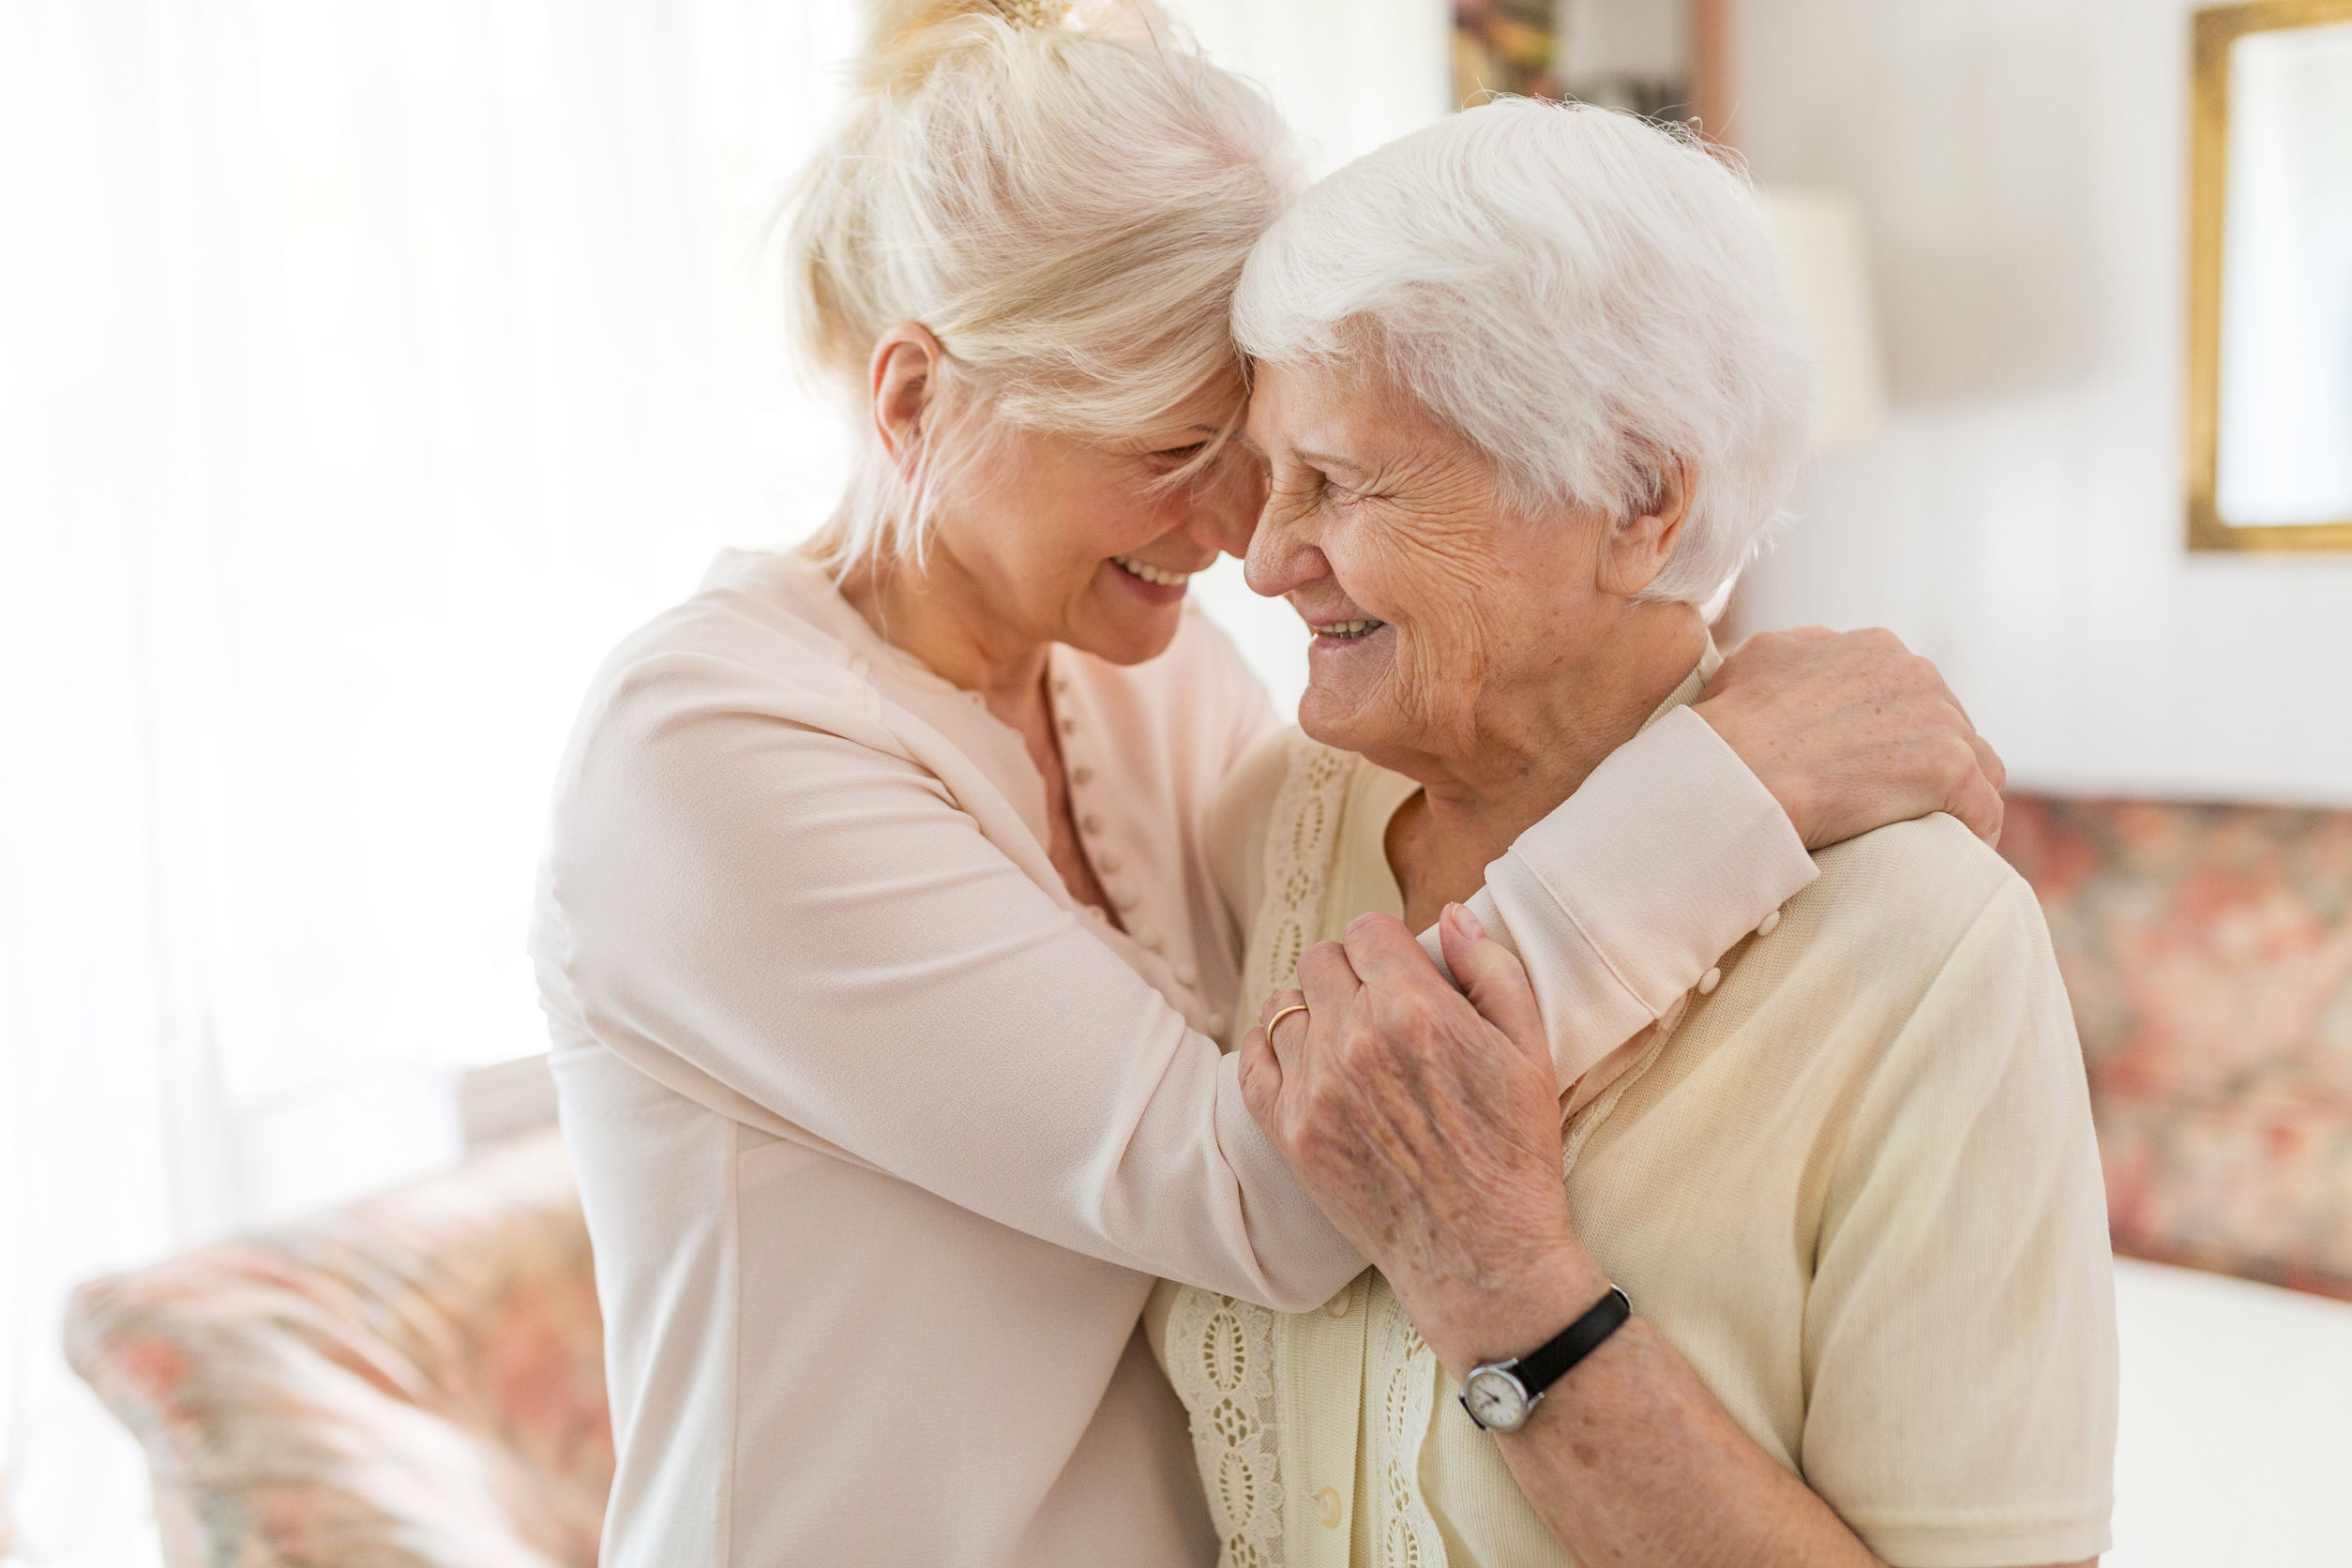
column 1283, row 554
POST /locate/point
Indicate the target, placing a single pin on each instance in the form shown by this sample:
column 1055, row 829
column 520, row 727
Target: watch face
column 1496, row 1400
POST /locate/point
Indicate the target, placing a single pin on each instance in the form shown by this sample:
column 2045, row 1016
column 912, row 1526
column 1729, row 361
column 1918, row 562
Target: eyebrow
column 1327, row 459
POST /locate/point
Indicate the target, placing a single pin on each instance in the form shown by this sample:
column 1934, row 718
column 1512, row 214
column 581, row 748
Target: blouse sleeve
column 1959, row 1336
column 811, row 927
column 1629, row 892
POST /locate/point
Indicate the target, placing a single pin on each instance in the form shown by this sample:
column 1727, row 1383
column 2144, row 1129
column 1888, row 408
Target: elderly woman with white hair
column 1827, row 1280
column 884, row 969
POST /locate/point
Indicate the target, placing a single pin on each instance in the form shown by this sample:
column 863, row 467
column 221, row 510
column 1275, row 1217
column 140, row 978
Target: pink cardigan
column 882, row 1139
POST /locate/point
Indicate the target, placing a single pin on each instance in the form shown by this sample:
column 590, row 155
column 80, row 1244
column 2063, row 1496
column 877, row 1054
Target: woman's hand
column 1429, row 1135
column 1851, row 730
column 1428, row 1129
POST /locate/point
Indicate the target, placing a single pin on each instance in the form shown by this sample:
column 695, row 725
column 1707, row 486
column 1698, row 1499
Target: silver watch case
column 1495, row 1397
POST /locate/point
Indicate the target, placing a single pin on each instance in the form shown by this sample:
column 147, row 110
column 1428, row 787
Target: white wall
column 2023, row 164
column 1348, row 74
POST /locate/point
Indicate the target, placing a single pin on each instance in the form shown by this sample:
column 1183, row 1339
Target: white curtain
column 366, row 367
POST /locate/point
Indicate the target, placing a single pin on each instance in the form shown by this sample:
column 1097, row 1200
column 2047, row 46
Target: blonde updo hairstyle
column 1065, row 196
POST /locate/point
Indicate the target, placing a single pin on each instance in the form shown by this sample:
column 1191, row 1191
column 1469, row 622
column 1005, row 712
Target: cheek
column 1430, row 582
column 1112, row 517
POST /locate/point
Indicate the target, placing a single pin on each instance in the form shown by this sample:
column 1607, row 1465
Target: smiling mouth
column 1159, row 575
column 1347, row 631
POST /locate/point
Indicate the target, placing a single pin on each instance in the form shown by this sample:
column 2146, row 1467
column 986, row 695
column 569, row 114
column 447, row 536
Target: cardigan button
column 1327, row 1508
column 1771, row 923
column 1708, row 981
column 1339, row 1305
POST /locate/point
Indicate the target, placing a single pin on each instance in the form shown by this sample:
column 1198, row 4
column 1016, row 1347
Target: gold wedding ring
column 1275, row 1022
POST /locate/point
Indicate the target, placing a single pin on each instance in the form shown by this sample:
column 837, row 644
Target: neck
column 1527, row 751
column 943, row 616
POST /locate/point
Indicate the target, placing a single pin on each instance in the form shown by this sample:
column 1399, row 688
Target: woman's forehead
column 1332, row 406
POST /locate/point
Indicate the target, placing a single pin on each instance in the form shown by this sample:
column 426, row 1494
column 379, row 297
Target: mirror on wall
column 2270, row 279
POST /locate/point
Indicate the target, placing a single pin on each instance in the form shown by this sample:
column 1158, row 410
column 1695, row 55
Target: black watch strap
column 1539, row 1370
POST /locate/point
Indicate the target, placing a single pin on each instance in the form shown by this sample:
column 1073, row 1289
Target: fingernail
column 1464, row 922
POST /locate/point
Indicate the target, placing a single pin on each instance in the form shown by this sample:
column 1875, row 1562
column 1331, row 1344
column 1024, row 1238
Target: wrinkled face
column 1083, row 543
column 1434, row 602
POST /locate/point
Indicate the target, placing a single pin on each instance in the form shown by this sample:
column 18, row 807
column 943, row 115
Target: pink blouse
column 883, row 1138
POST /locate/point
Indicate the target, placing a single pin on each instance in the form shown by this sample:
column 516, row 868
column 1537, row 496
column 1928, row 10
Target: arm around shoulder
column 1622, row 898
column 809, row 923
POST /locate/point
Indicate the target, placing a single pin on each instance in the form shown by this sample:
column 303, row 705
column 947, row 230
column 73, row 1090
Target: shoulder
column 739, row 676
column 761, row 634
column 1917, row 967
column 1911, row 893
column 1922, row 961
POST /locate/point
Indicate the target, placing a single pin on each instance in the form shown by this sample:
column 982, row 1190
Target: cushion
column 415, row 1381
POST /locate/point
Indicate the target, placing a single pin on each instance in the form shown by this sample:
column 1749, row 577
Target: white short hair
column 1064, row 195
column 1588, row 298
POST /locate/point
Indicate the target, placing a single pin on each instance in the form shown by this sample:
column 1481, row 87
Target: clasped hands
column 1425, row 1123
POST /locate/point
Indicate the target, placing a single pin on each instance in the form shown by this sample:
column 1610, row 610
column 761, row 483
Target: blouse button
column 1216, row 1024
column 1327, row 1508
column 1084, row 775
column 1125, row 898
column 1772, row 923
column 1092, row 823
column 1149, row 939
column 1069, row 725
column 1187, row 975
column 1108, row 860
column 1708, row 981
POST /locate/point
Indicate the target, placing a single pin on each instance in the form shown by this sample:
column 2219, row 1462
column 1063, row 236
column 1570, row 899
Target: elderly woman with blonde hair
column 1827, row 1279
column 876, row 933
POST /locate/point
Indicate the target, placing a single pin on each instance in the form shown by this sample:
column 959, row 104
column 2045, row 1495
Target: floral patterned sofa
column 2209, row 953
column 415, row 1381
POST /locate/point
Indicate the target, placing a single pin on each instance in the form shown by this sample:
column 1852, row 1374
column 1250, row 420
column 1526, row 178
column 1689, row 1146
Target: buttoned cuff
column 1627, row 893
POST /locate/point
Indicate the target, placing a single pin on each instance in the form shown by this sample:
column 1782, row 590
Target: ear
column 1639, row 549
column 902, row 381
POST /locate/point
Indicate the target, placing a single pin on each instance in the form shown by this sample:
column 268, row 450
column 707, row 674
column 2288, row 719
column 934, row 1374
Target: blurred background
column 369, row 367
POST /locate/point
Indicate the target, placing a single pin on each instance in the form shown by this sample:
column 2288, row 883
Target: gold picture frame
column 2215, row 32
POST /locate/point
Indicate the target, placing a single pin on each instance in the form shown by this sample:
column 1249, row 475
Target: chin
column 1129, row 639
column 1332, row 718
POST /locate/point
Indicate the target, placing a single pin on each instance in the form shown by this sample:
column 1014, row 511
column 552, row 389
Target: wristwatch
column 1501, row 1395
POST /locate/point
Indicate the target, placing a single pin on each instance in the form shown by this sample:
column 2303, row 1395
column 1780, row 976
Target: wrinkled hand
column 1851, row 730
column 1426, row 1125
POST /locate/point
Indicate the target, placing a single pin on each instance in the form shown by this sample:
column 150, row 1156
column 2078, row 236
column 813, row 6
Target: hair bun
column 1033, row 13
column 905, row 38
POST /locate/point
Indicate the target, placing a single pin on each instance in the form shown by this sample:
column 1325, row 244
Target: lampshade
column 1818, row 234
